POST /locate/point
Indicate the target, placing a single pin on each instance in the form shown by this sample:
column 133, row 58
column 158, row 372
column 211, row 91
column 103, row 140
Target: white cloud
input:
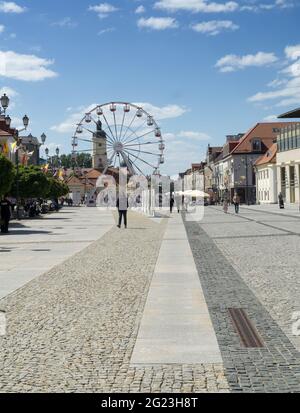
column 231, row 63
column 65, row 22
column 159, row 113
column 11, row 93
column 140, row 10
column 158, row 23
column 69, row 124
column 197, row 136
column 196, row 6
column 164, row 112
column 2, row 28
column 11, row 7
column 183, row 149
column 207, row 6
column 292, row 52
column 286, row 88
column 271, row 118
column 214, row 27
column 108, row 30
column 281, row 4
column 25, row 67
column 103, row 9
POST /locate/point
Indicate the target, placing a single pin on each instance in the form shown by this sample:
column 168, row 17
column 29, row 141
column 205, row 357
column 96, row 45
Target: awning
column 195, row 194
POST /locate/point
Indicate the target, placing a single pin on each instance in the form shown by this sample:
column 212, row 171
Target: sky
column 204, row 69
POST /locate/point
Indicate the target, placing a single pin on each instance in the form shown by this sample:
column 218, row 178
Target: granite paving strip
column 176, row 327
column 275, row 368
column 270, row 267
column 74, row 328
column 35, row 246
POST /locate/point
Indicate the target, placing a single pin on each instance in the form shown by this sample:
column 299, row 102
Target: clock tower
column 100, row 148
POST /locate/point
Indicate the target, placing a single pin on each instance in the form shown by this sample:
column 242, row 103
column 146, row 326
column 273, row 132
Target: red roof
column 73, row 180
column 93, row 174
column 266, row 132
column 268, row 157
column 4, row 133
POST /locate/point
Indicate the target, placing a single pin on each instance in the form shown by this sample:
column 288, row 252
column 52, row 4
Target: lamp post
column 4, row 100
column 57, row 151
column 19, row 143
column 4, row 103
column 47, row 154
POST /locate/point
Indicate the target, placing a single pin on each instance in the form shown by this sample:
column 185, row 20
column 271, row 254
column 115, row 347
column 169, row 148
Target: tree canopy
column 57, row 188
column 33, row 183
column 7, row 174
column 84, row 160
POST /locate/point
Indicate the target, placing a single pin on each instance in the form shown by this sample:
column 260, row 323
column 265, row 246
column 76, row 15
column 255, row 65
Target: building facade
column 266, row 177
column 243, row 157
column 30, row 145
column 288, row 163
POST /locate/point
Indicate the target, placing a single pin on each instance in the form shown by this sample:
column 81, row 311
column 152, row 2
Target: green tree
column 84, row 160
column 33, row 183
column 7, row 174
column 57, row 188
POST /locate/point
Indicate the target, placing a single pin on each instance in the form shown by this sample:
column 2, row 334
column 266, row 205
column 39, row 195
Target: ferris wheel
column 120, row 134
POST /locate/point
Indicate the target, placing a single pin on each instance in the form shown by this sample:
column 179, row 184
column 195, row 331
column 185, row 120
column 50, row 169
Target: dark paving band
column 275, row 368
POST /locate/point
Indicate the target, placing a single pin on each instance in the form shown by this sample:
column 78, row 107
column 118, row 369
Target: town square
column 149, row 248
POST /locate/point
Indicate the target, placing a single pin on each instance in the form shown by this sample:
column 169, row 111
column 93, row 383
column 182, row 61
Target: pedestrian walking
column 281, row 201
column 172, row 202
column 186, row 204
column 225, row 205
column 236, row 201
column 178, row 200
column 122, row 205
column 5, row 214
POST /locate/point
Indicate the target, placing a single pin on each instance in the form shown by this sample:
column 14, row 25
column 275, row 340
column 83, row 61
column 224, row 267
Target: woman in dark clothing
column 5, row 214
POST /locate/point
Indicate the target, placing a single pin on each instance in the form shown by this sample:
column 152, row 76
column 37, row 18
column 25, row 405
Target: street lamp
column 43, row 138
column 8, row 121
column 25, row 121
column 19, row 143
column 4, row 102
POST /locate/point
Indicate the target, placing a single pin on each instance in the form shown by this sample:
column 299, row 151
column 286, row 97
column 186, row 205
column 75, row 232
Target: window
column 256, row 145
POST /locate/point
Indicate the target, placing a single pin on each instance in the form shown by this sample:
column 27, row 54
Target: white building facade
column 288, row 163
column 266, row 177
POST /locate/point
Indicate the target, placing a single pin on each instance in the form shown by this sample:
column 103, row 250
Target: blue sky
column 204, row 68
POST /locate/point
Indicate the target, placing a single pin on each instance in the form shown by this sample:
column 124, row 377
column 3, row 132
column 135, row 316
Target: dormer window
column 256, row 145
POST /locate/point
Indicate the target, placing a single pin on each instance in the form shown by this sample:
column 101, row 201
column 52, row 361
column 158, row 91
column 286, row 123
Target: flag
column 46, row 168
column 61, row 175
column 5, row 148
column 13, row 147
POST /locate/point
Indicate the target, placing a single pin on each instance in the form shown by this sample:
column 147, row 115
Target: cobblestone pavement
column 73, row 329
column 251, row 261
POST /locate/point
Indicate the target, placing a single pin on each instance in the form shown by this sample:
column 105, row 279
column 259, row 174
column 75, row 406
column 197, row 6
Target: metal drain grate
column 246, row 330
